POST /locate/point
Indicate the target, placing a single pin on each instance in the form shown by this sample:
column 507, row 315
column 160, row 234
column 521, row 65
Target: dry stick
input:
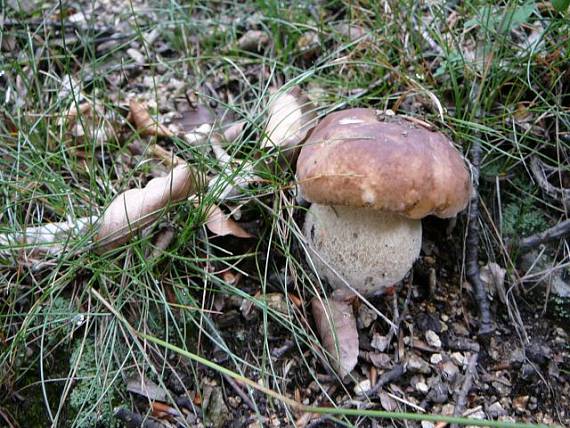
column 550, row 234
column 472, row 242
column 240, row 392
column 388, row 377
column 538, row 169
column 461, row 400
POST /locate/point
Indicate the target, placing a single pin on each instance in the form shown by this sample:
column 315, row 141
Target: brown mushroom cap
column 359, row 158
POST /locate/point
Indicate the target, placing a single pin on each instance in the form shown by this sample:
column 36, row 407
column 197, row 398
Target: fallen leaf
column 253, row 41
column 137, row 208
column 232, row 132
column 74, row 111
column 221, row 224
column 493, row 276
column 195, row 117
column 351, row 32
column 144, row 123
column 291, row 116
column 387, row 402
column 147, row 388
column 337, row 328
column 162, row 410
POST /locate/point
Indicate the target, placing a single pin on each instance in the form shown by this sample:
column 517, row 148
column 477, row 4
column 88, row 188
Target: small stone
column 417, row 365
column 436, row 359
column 502, row 387
column 495, row 410
column 363, row 387
column 517, row 356
column 447, row 409
column 520, row 403
column 366, row 317
column 449, row 371
column 439, row 391
column 458, row 358
column 422, row 387
column 479, row 414
column 460, row 329
column 444, row 318
column 379, row 342
column 382, row 361
column 427, row 424
column 433, row 339
column 136, row 56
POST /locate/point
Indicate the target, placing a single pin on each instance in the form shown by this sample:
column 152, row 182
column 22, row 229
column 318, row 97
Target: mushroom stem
column 370, row 250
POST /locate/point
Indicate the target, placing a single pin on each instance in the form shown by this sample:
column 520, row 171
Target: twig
column 550, row 234
column 472, row 242
column 538, row 171
column 461, row 398
column 387, row 377
column 240, row 392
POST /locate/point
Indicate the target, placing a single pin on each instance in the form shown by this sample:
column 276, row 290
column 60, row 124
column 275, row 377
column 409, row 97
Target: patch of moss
column 521, row 219
column 91, row 398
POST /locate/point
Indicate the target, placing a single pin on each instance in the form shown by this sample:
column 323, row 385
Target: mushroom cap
column 360, row 158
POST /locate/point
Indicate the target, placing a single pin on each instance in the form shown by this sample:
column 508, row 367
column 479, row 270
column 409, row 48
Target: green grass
column 65, row 326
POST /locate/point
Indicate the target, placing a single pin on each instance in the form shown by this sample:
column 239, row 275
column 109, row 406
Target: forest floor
column 198, row 323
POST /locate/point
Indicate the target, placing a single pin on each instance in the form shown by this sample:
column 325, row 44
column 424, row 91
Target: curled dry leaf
column 136, row 208
column 291, row 116
column 221, row 224
column 337, row 327
column 144, row 123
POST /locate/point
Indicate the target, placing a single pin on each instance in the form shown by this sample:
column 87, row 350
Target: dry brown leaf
column 147, row 388
column 194, row 117
column 351, row 32
column 253, row 40
column 136, row 208
column 291, row 116
column 221, row 224
column 337, row 327
column 74, row 111
column 144, row 123
column 232, row 133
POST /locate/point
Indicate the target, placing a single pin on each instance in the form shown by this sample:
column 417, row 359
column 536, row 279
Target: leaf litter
column 418, row 386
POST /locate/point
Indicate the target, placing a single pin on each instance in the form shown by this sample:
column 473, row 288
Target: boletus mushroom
column 371, row 178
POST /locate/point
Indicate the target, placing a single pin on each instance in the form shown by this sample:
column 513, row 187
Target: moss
column 91, row 397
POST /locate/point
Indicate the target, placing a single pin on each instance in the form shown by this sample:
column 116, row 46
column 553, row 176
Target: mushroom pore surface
column 370, row 250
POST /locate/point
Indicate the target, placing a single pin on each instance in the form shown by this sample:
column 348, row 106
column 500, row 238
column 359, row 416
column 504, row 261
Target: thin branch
column 539, row 169
column 555, row 232
column 472, row 254
column 461, row 397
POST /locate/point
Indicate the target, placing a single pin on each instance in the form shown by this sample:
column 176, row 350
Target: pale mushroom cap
column 370, row 250
column 358, row 158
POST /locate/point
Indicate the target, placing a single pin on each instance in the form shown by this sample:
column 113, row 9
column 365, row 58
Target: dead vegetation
column 154, row 267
